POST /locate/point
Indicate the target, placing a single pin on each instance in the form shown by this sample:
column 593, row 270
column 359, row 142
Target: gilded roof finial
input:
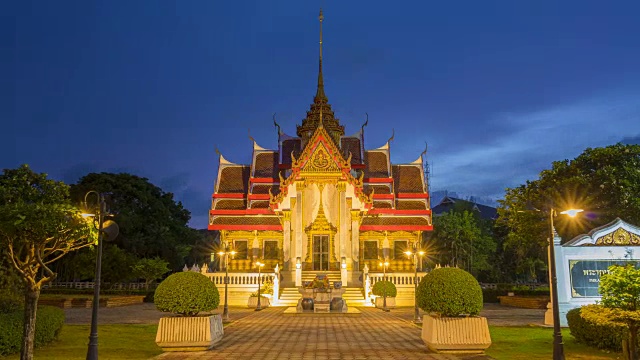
column 320, row 96
column 320, row 124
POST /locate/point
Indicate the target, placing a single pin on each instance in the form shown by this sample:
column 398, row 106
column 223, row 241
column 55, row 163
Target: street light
column 384, row 293
column 227, row 250
column 415, row 253
column 558, row 345
column 259, row 265
column 107, row 231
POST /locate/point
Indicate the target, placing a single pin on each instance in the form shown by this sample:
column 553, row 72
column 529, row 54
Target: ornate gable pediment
column 615, row 233
column 321, row 156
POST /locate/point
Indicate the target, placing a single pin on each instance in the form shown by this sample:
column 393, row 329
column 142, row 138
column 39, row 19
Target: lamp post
column 384, row 278
column 107, row 230
column 227, row 250
column 415, row 253
column 259, row 265
column 558, row 345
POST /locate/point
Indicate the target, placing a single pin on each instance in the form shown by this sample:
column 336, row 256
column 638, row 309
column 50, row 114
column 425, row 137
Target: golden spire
column 320, row 124
column 320, row 93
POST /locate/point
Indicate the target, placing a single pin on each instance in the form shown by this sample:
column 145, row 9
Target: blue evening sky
column 498, row 89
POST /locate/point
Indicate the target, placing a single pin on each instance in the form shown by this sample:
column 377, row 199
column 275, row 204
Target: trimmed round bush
column 604, row 334
column 186, row 293
column 380, row 287
column 450, row 292
column 49, row 321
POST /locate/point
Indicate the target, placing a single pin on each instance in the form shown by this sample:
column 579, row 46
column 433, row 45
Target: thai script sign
column 585, row 275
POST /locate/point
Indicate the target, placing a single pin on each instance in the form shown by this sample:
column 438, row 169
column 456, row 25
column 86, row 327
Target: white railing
column 404, row 279
column 240, row 279
column 91, row 284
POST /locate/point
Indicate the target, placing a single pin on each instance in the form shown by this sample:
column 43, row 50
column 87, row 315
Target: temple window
column 399, row 247
column 370, row 250
column 240, row 247
column 270, row 250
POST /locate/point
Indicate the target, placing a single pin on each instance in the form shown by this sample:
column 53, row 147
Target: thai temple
column 321, row 203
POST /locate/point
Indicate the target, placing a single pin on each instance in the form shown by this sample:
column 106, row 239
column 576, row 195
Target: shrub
column 265, row 289
column 380, row 287
column 49, row 321
column 9, row 302
column 603, row 335
column 450, row 292
column 148, row 297
column 186, row 293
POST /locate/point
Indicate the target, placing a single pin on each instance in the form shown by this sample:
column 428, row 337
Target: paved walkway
column 271, row 335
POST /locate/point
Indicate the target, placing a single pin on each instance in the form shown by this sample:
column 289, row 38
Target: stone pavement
column 269, row 334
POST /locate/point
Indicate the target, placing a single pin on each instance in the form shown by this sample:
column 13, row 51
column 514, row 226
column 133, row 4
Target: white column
column 355, row 236
column 298, row 221
column 286, row 240
column 344, row 218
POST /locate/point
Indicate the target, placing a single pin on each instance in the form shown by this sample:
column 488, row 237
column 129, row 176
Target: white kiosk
column 581, row 261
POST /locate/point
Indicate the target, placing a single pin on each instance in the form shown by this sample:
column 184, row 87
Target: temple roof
column 407, row 179
column 377, row 164
column 233, row 179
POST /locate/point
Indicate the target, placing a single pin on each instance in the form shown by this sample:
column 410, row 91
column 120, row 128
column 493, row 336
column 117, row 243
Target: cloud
column 537, row 139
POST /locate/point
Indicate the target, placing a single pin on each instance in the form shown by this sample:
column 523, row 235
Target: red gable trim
column 396, row 227
column 264, row 180
column 245, row 227
column 378, row 180
column 229, row 196
column 383, row 196
column 258, row 196
column 400, row 212
column 413, row 196
column 358, row 166
column 242, row 212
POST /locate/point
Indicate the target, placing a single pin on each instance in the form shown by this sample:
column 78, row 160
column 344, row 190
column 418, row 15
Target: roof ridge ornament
column 320, row 95
column 277, row 125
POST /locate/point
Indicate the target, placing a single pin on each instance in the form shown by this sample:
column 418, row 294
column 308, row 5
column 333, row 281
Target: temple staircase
column 354, row 296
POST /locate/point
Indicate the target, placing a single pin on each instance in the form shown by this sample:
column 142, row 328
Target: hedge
column 186, row 293
column 49, row 321
column 491, row 295
column 449, row 292
column 606, row 335
column 380, row 287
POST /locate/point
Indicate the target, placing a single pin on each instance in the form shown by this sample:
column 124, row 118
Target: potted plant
column 379, row 290
column 187, row 294
column 453, row 299
column 265, row 294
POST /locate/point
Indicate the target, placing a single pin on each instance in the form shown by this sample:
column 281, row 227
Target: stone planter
column 253, row 302
column 391, row 302
column 189, row 333
column 468, row 335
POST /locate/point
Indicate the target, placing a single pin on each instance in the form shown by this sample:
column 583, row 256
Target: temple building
column 321, row 202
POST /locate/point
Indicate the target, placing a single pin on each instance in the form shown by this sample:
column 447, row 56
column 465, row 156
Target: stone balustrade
column 400, row 280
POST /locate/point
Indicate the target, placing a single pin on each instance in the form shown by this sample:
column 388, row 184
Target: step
column 353, row 297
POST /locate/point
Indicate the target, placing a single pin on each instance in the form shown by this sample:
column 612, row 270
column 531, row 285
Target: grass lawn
column 114, row 342
column 138, row 342
column 537, row 343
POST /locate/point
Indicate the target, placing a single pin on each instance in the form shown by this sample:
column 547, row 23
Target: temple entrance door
column 321, row 252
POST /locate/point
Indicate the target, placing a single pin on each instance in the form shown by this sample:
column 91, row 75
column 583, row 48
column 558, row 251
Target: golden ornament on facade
column 619, row 237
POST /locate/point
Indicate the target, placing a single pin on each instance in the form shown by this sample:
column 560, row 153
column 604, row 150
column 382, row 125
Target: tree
column 620, row 290
column 38, row 225
column 462, row 241
column 151, row 222
column 150, row 270
column 603, row 181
